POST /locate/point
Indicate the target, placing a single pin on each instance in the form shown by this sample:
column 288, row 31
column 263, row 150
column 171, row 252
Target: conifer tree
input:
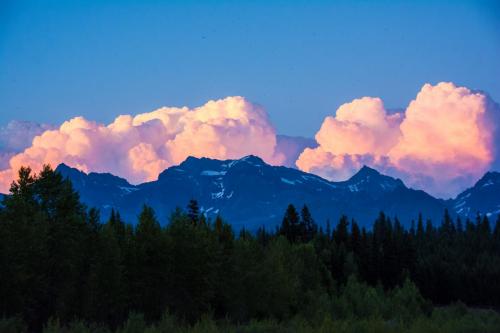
column 355, row 242
column 193, row 211
column 340, row 235
column 150, row 279
column 307, row 226
column 290, row 227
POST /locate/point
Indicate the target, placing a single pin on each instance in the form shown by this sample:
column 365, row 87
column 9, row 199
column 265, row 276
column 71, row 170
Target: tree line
column 59, row 261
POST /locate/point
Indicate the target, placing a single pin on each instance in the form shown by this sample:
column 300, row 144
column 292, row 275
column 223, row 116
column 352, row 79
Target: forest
column 63, row 270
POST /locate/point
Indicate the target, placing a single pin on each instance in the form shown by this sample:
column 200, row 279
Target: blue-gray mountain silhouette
column 248, row 192
column 482, row 198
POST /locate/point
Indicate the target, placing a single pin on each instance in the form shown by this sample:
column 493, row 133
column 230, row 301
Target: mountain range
column 249, row 193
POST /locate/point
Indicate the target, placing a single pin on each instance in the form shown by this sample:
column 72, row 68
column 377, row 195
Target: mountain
column 483, row 197
column 102, row 190
column 248, row 192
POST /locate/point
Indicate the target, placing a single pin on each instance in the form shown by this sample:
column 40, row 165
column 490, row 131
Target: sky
column 98, row 59
column 407, row 87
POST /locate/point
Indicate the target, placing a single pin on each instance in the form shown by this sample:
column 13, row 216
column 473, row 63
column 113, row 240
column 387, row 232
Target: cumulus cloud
column 288, row 148
column 447, row 135
column 362, row 132
column 16, row 136
column 444, row 141
column 140, row 147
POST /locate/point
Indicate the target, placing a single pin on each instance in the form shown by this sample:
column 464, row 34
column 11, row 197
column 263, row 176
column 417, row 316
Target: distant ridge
column 482, row 198
column 249, row 192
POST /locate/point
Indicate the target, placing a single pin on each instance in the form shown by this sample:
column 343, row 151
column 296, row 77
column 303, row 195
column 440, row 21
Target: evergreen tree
column 193, row 211
column 150, row 275
column 58, row 261
column 308, row 228
column 340, row 235
column 355, row 243
column 420, row 228
column 290, row 226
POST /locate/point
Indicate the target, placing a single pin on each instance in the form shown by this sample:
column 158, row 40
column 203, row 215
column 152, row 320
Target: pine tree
column 65, row 215
column 193, row 211
column 355, row 243
column 107, row 283
column 420, row 228
column 22, row 276
column 290, row 227
column 308, row 228
column 340, row 235
column 150, row 278
column 447, row 229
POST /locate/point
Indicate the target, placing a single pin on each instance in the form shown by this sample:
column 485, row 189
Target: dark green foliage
column 308, row 228
column 290, row 227
column 193, row 211
column 59, row 261
column 298, row 228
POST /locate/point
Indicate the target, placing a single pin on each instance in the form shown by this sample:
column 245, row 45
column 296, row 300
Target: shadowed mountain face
column 483, row 197
column 248, row 192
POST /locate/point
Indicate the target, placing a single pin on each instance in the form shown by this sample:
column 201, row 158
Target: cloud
column 447, row 136
column 16, row 136
column 288, row 148
column 444, row 141
column 140, row 147
column 362, row 132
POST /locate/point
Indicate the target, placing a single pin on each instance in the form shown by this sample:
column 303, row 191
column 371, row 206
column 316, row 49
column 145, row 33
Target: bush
column 12, row 325
column 406, row 303
column 358, row 301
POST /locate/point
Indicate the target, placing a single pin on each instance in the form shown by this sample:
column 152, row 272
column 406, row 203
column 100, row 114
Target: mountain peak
column 366, row 170
column 483, row 197
column 368, row 178
column 489, row 178
column 252, row 159
column 195, row 163
column 192, row 162
column 65, row 170
column 63, row 166
column 364, row 173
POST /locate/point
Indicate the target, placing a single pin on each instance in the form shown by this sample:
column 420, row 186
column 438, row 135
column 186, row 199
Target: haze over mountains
column 248, row 192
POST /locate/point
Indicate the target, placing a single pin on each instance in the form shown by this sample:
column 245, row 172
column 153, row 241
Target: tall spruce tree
column 308, row 227
column 290, row 226
column 193, row 211
column 150, row 278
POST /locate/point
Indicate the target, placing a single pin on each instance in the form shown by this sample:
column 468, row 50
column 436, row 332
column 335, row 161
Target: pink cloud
column 447, row 137
column 442, row 143
column 140, row 147
column 362, row 132
column 17, row 136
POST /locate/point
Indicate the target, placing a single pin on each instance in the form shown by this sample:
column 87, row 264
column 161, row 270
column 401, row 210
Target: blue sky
column 300, row 60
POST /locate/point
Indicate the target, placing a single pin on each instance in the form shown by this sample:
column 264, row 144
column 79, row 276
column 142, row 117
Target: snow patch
column 128, row 189
column 319, row 180
column 488, row 183
column 212, row 173
column 220, row 194
column 287, row 181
